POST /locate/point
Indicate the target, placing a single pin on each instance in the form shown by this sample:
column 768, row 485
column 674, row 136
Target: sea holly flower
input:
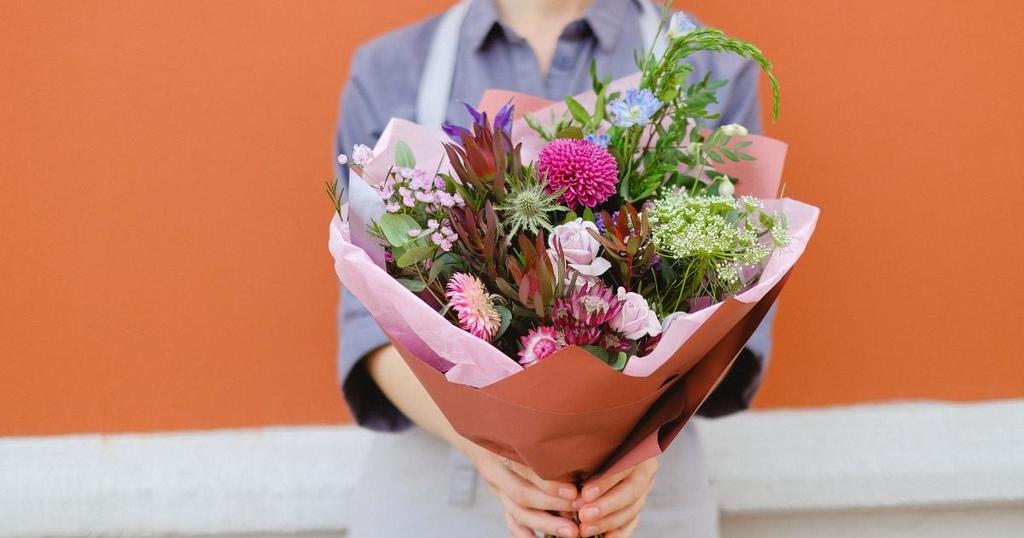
column 539, row 344
column 528, row 204
column 585, row 173
column 679, row 25
column 579, row 248
column 635, row 108
column 635, row 319
column 468, row 297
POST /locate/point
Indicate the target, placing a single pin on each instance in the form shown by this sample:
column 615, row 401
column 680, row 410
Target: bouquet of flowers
column 570, row 280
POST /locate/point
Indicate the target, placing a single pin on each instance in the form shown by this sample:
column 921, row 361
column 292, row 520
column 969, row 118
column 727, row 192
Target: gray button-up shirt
column 384, row 80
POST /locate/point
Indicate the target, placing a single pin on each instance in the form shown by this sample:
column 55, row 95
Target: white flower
column 694, row 148
column 734, row 129
column 579, row 247
column 679, row 25
column 342, row 159
column 635, row 319
column 725, row 187
column 361, row 155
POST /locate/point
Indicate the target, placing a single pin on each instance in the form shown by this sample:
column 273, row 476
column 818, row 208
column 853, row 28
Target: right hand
column 526, row 497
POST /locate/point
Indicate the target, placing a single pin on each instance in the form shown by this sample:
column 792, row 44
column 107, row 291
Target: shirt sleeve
column 741, row 105
column 360, row 123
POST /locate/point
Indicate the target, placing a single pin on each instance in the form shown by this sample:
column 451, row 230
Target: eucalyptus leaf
column 598, row 352
column 414, row 255
column 506, row 319
column 403, row 155
column 396, row 227
column 620, row 361
column 412, row 285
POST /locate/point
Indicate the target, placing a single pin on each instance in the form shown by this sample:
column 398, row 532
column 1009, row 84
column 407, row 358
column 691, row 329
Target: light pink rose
column 579, row 248
column 635, row 319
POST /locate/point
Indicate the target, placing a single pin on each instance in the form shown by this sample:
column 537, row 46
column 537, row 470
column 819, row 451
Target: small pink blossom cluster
column 441, row 234
column 409, row 187
column 592, row 314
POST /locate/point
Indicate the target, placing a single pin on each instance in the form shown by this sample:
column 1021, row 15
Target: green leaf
column 403, row 155
column 620, row 361
column 412, row 285
column 396, row 227
column 747, row 156
column 588, row 215
column 414, row 255
column 570, row 132
column 730, row 154
column 506, row 319
column 442, row 265
column 715, row 157
column 742, row 145
column 599, row 110
column 579, row 113
column 597, row 352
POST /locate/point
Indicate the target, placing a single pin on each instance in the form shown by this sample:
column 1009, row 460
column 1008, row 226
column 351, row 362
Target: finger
column 525, row 494
column 540, row 520
column 515, row 530
column 615, row 521
column 620, row 497
column 624, row 532
column 595, row 488
column 555, row 488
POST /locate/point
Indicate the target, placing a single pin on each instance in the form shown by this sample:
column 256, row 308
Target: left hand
column 612, row 504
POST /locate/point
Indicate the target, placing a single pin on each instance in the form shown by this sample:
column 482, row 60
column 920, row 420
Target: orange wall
column 163, row 231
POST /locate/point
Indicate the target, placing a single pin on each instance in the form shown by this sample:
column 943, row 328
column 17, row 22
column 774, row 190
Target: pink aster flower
column 539, row 344
column 583, row 314
column 468, row 297
column 586, row 171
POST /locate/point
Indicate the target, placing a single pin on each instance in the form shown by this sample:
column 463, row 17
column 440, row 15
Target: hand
column 612, row 504
column 526, row 497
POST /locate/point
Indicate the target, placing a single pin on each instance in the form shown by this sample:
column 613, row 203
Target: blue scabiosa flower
column 636, row 108
column 599, row 139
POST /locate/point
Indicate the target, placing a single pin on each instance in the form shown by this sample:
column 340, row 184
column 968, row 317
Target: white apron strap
column 650, row 20
column 439, row 68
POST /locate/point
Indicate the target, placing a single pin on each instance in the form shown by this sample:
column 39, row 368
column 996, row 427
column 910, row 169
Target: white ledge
column 776, row 473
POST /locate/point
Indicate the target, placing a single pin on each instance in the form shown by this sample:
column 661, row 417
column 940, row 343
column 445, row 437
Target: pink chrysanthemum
column 586, row 171
column 583, row 315
column 469, row 298
column 539, row 344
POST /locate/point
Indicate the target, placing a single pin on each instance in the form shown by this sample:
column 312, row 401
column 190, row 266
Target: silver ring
column 507, row 462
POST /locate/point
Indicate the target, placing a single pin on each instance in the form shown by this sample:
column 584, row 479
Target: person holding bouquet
column 424, row 478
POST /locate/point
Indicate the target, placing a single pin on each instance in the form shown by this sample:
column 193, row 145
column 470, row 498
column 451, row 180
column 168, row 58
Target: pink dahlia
column 582, row 316
column 468, row 297
column 586, row 171
column 539, row 344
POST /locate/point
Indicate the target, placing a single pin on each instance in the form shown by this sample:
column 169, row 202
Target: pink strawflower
column 582, row 316
column 539, row 344
column 586, row 171
column 468, row 297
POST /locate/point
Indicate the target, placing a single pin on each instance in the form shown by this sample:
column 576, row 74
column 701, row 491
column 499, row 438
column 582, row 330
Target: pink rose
column 579, row 248
column 635, row 319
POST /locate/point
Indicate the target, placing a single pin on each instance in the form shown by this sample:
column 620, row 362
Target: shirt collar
column 605, row 18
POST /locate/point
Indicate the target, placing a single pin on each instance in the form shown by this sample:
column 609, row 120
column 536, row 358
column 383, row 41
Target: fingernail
column 567, row 493
column 591, row 512
column 565, row 531
column 576, row 505
column 591, row 493
column 589, row 530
